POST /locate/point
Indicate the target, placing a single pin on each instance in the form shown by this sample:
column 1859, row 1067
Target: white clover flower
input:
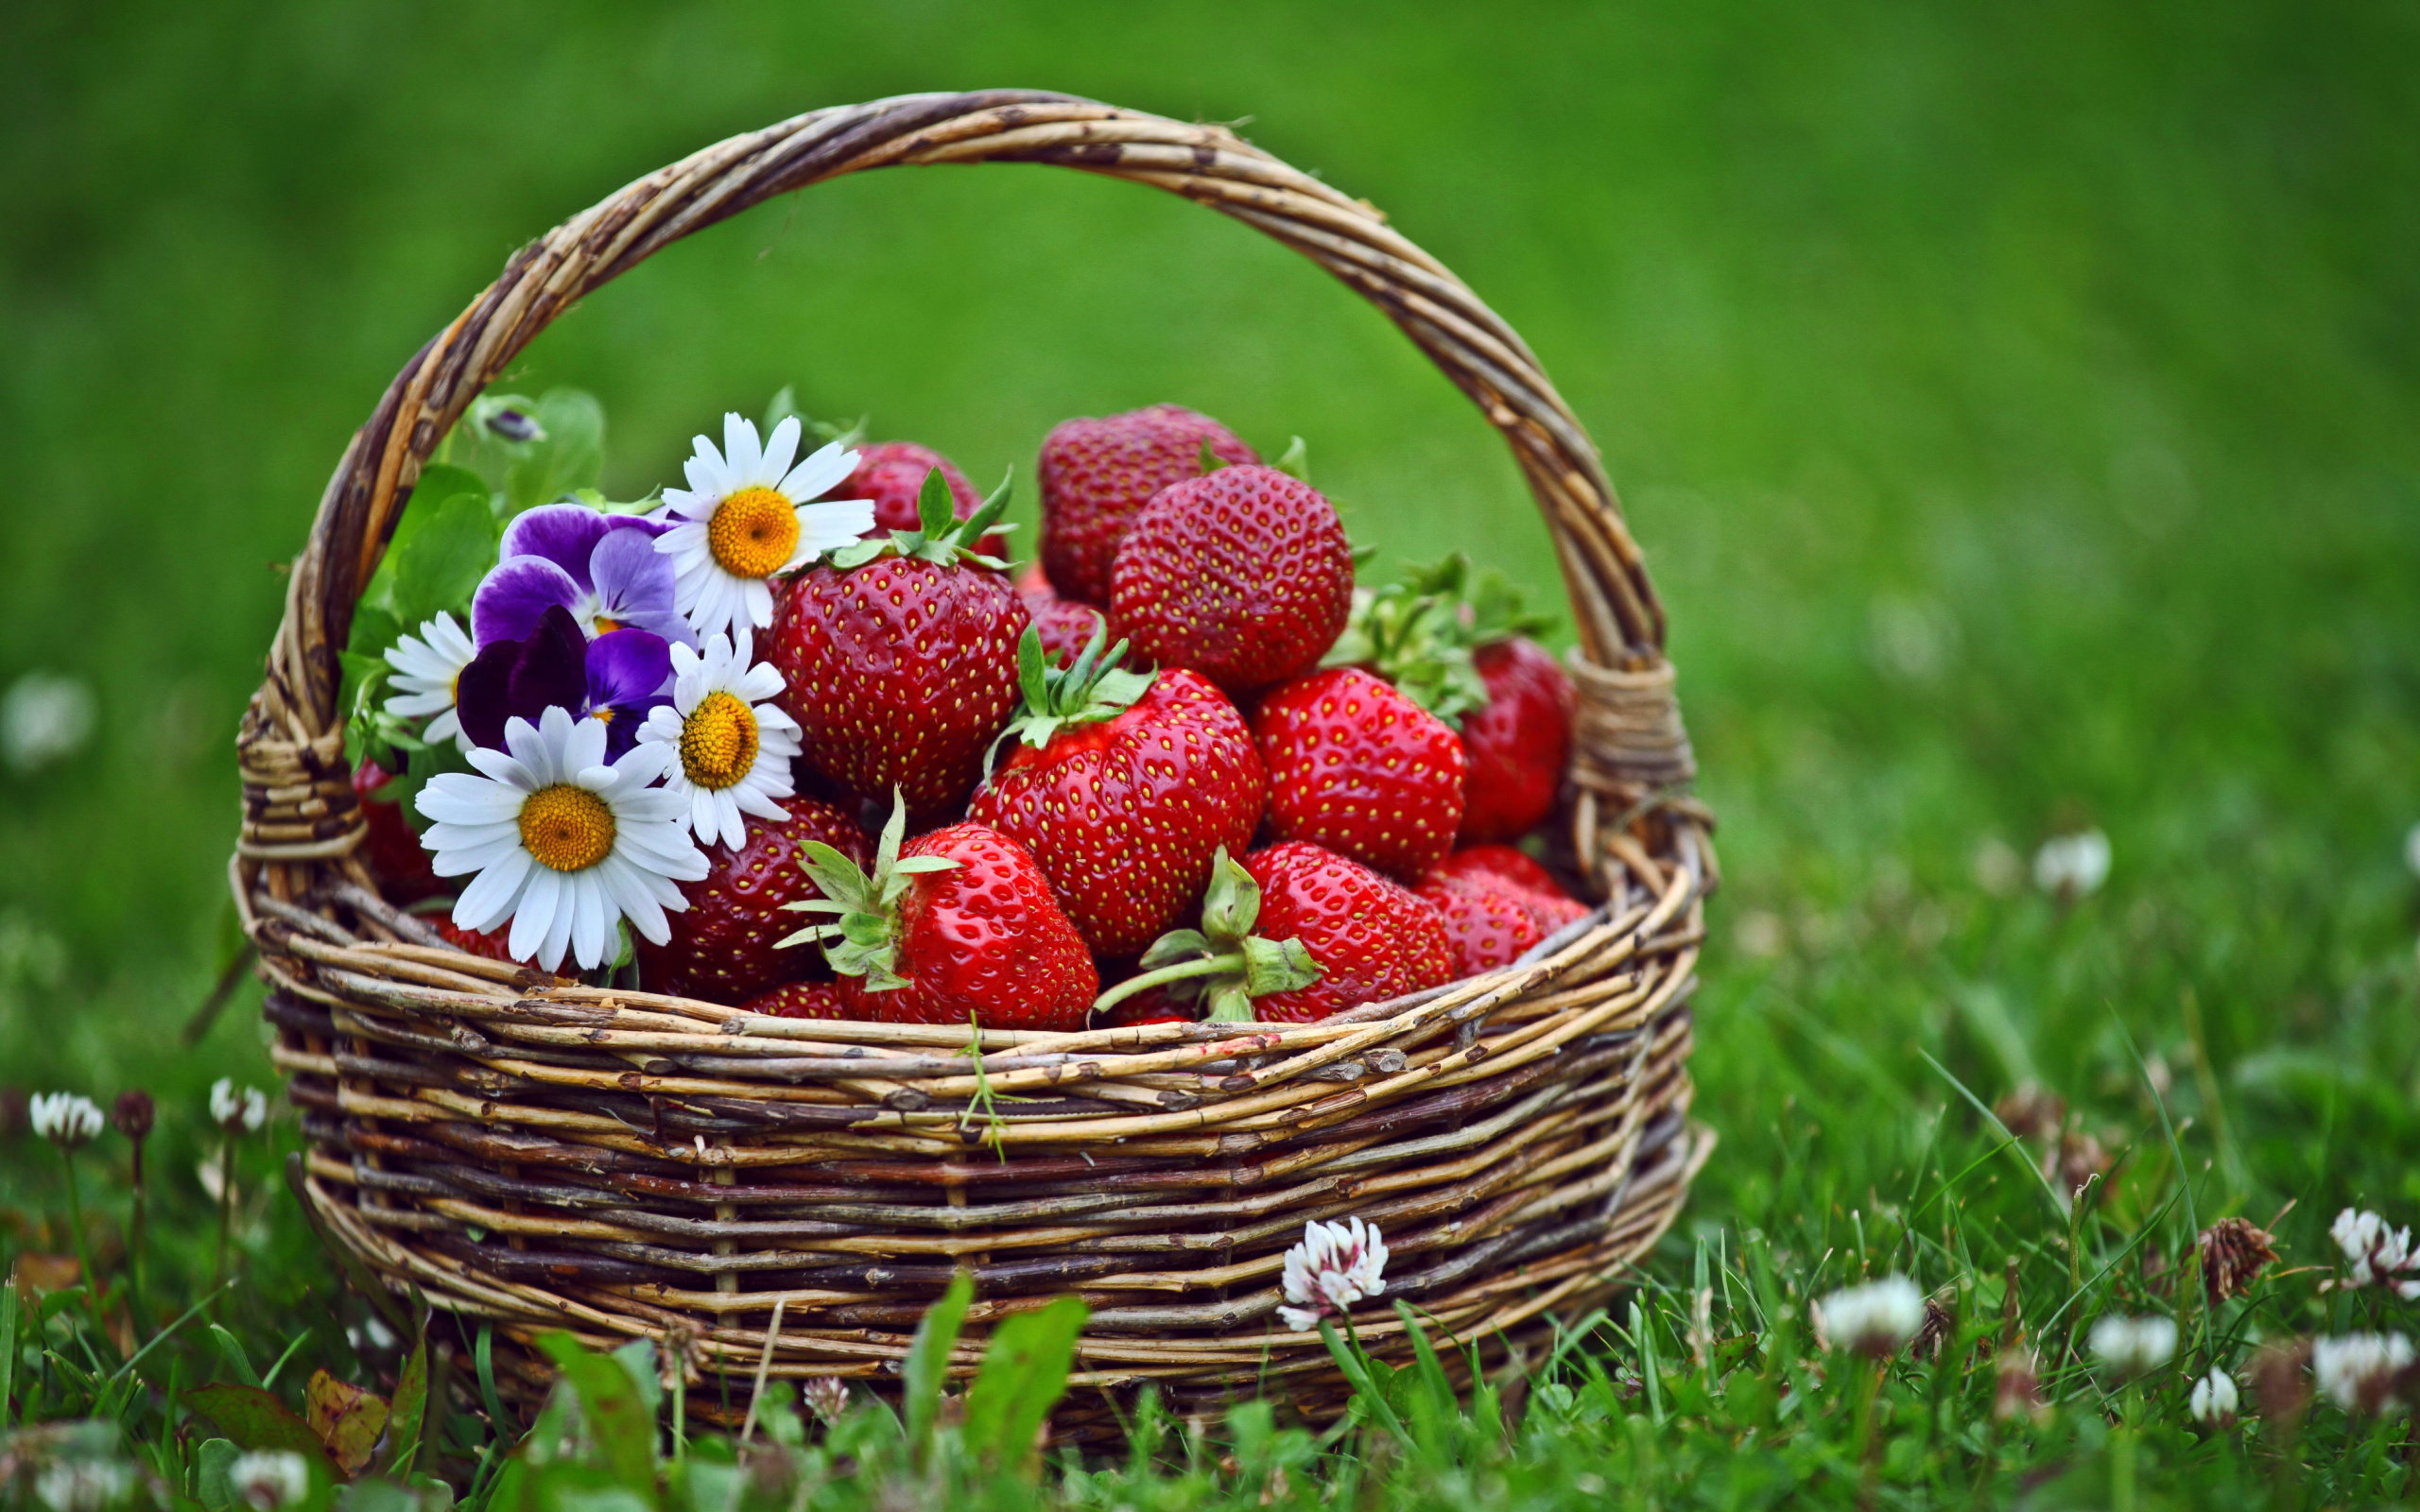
column 2358, row 1372
column 1336, row 1266
column 2215, row 1397
column 828, row 1396
column 237, row 1110
column 746, row 515
column 1877, row 1319
column 269, row 1479
column 83, row 1484
column 429, row 668
column 563, row 845
column 45, row 717
column 731, row 748
column 2133, row 1346
column 66, row 1119
column 2072, row 865
column 2375, row 1255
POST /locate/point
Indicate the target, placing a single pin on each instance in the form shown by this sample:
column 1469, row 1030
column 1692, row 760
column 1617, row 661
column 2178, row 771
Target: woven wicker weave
column 540, row 1154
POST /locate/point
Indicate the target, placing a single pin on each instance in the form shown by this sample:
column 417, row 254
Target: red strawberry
column 1095, row 474
column 959, row 926
column 1489, row 924
column 891, row 473
column 1359, row 768
column 722, row 948
column 392, row 847
column 1295, row 932
column 798, row 1000
column 899, row 657
column 489, row 943
column 1504, row 866
column 1243, row 575
column 1517, row 743
column 1065, row 626
column 1123, row 787
column 1151, row 1005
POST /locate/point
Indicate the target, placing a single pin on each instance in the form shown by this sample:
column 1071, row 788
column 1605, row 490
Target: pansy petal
column 564, row 534
column 516, row 593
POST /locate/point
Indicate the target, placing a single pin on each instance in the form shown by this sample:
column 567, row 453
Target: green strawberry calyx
column 939, row 535
column 864, row 939
column 1418, row 632
column 1223, row 959
column 1095, row 686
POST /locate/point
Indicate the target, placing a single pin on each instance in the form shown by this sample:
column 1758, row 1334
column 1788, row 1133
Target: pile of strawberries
column 1182, row 769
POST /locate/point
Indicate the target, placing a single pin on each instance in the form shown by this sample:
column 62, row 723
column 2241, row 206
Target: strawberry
column 722, row 948
column 1243, row 575
column 489, row 943
column 1357, row 767
column 798, row 1000
column 1123, row 787
column 1095, row 474
column 1457, row 648
column 899, row 657
column 390, row 846
column 1151, row 1005
column 1066, row 626
column 893, row 473
column 959, row 926
column 1487, row 926
column 1297, row 933
column 1517, row 743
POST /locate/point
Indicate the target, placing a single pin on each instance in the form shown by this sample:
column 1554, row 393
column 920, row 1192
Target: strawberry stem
column 1242, row 965
column 1207, row 966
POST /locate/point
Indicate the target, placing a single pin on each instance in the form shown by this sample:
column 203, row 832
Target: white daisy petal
column 779, row 447
column 494, row 893
column 826, row 470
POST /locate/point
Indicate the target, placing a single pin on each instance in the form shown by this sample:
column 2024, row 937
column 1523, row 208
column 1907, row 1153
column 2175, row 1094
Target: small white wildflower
column 2375, row 1255
column 270, row 1480
column 237, row 1110
column 45, row 717
column 2133, row 1346
column 2215, row 1397
column 1877, row 1319
column 828, row 1396
column 83, row 1484
column 1336, row 1266
column 2359, row 1371
column 66, row 1119
column 2072, row 865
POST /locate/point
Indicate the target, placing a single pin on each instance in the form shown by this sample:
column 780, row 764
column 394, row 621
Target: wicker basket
column 540, row 1154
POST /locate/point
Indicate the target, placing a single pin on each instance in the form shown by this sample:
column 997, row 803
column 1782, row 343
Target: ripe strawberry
column 1243, row 575
column 1357, row 767
column 1517, row 743
column 798, row 1000
column 1123, row 787
column 1095, row 474
column 961, row 925
column 1065, row 626
column 1297, row 933
column 899, row 657
column 392, row 847
column 1487, row 926
column 1457, row 648
column 722, row 948
column 489, row 943
column 1503, row 865
column 893, row 473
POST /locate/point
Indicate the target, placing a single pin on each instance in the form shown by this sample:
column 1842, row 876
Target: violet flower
column 603, row 569
column 617, row 679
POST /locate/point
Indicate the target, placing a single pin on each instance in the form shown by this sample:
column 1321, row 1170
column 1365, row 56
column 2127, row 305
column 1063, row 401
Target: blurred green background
column 2017, row 402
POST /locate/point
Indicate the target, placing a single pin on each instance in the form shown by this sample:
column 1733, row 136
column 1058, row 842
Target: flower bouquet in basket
column 749, row 915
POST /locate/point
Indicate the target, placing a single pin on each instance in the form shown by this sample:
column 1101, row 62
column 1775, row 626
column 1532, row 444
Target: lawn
column 2016, row 403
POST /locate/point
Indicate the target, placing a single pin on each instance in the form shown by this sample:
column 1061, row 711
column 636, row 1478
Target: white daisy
column 744, row 517
column 427, row 666
column 731, row 748
column 562, row 843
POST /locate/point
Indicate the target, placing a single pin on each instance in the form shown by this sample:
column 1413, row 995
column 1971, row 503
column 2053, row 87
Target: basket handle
column 298, row 803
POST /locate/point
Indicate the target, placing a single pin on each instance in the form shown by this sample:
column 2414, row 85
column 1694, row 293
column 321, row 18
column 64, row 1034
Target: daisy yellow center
column 567, row 827
column 718, row 742
column 753, row 532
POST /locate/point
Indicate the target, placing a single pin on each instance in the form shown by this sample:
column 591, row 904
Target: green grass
column 2015, row 400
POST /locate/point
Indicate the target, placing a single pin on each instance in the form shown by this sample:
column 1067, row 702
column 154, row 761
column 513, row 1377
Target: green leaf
column 1296, row 463
column 1023, row 1375
column 1211, row 461
column 927, row 1365
column 638, row 1357
column 1174, row 946
column 212, row 1463
column 232, row 1351
column 569, row 455
column 440, row 482
column 439, row 567
column 1232, row 905
column 936, row 508
column 256, row 1421
column 784, row 405
column 619, row 1422
column 410, row 1406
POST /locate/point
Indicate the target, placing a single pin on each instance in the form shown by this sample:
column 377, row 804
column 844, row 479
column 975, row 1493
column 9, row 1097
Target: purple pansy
column 603, row 569
column 618, row 679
